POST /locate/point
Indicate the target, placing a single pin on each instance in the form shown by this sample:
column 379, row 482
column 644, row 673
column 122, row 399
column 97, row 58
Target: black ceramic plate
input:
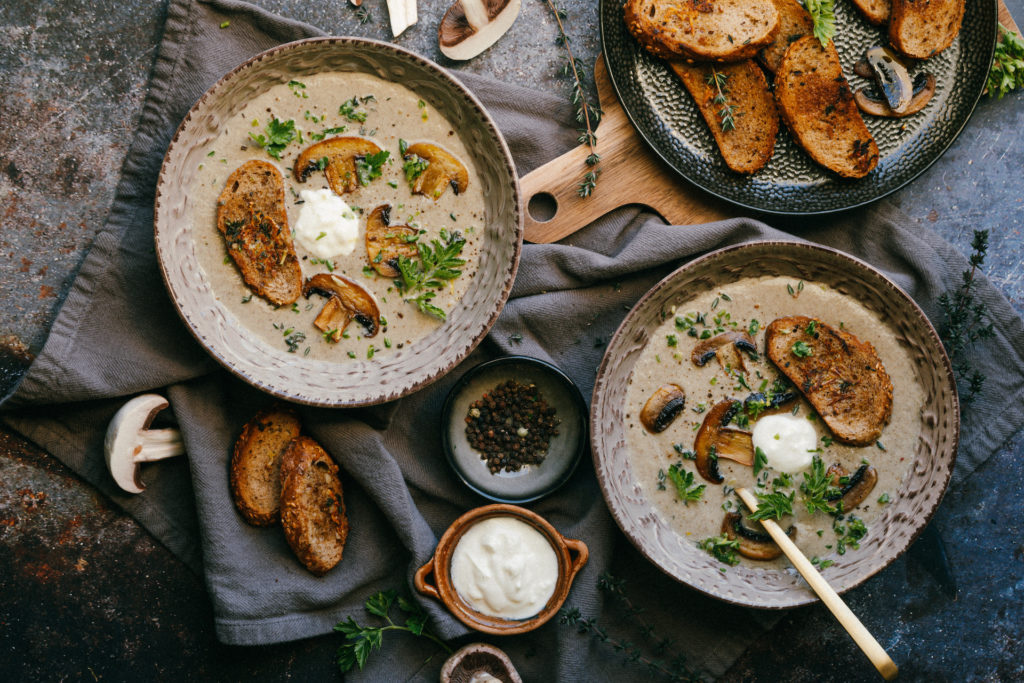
column 665, row 115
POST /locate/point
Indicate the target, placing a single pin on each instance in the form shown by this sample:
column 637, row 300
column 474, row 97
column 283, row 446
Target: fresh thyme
column 587, row 115
column 721, row 548
column 361, row 641
column 1007, row 72
column 773, row 506
column 429, row 269
column 817, row 490
column 965, row 320
column 727, row 114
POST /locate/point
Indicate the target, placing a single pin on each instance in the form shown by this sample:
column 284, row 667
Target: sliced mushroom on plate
column 471, row 26
column 441, row 170
column 857, row 486
column 726, row 347
column 346, row 299
column 336, row 157
column 386, row 242
column 754, row 544
column 897, row 94
column 716, row 440
column 662, row 408
column 869, row 101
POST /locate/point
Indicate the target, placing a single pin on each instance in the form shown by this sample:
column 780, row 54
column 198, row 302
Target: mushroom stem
column 158, row 444
column 402, row 14
column 476, row 13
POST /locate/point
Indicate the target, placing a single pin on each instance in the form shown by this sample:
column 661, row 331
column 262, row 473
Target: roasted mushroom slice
column 726, row 347
column 716, row 440
column 759, row 403
column 892, row 78
column 430, row 170
column 869, row 101
column 857, row 486
column 386, row 242
column 337, row 158
column 351, row 296
column 662, row 408
column 332, row 319
column 756, row 545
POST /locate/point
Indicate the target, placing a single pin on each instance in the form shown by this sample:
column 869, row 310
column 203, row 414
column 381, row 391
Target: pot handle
column 421, row 583
column 582, row 555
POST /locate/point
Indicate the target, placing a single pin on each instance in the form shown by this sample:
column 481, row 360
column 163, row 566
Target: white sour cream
column 787, row 441
column 503, row 567
column 326, row 227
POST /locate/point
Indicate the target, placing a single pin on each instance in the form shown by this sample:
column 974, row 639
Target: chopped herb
column 824, row 15
column 879, row 445
column 812, row 327
column 683, row 453
column 392, row 183
column 414, row 166
column 387, row 343
column 278, row 135
column 721, row 548
column 225, row 24
column 369, row 166
column 247, row 298
column 403, row 147
column 297, row 89
column 773, row 506
column 801, row 349
column 328, row 131
column 816, row 489
column 753, row 327
column 368, row 271
column 321, row 235
column 370, row 351
column 429, row 269
column 671, row 340
column 884, row 499
column 293, row 340
column 760, row 460
column 826, row 441
column 682, row 480
column 351, row 354
column 820, row 563
column 348, row 110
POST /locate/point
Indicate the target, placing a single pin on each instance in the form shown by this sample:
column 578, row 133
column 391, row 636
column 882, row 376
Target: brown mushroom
column 856, row 487
column 336, row 157
column 662, row 408
column 471, row 26
column 726, row 347
column 354, row 300
column 716, row 440
column 892, row 78
column 758, row 403
column 869, row 101
column 386, row 242
column 756, row 545
column 441, row 170
column 479, row 662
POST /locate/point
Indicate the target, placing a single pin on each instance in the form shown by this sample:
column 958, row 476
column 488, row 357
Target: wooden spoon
column 819, row 585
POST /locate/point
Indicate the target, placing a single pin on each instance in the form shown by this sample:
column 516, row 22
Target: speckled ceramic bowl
column 912, row 505
column 348, row 382
column 434, row 578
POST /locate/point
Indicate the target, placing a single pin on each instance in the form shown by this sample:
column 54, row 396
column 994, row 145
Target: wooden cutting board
column 631, row 173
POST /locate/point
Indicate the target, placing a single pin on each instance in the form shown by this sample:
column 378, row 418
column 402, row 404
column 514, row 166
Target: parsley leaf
column 683, row 481
column 361, row 641
column 278, row 134
column 1007, row 72
column 414, row 167
column 721, row 548
column 773, row 506
column 824, row 15
column 801, row 349
column 760, row 460
column 348, row 110
column 432, row 265
column 370, row 166
column 328, row 131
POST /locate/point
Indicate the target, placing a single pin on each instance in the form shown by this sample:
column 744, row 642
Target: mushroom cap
column 125, row 437
column 479, row 658
column 459, row 39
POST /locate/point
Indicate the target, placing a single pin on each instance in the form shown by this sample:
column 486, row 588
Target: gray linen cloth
column 117, row 335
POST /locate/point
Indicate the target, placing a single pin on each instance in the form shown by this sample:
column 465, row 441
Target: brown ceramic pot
column 434, row 578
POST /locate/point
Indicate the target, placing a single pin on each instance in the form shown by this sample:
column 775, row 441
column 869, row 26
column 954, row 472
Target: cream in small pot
column 503, row 567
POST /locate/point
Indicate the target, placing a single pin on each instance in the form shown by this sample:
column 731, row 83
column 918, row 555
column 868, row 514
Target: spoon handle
column 819, row 585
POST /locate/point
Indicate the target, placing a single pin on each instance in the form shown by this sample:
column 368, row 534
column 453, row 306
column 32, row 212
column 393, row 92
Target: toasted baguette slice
column 256, row 464
column 312, row 506
column 748, row 143
column 251, row 216
column 794, row 23
column 922, row 28
column 702, row 30
column 843, row 377
column 875, row 11
column 817, row 106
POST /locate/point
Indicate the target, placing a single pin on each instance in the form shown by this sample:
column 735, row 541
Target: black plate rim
column 994, row 10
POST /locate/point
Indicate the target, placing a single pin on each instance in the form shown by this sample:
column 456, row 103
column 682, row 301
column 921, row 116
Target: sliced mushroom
column 402, row 14
column 386, row 242
column 336, row 157
column 770, row 403
column 477, row 663
column 869, row 101
column 332, row 319
column 662, row 408
column 351, row 296
column 756, row 545
column 129, row 441
column 726, row 347
column 857, row 487
column 442, row 170
column 892, row 77
column 471, row 26
column 715, row 440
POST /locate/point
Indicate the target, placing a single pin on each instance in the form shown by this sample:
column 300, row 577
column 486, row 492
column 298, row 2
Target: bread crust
column 252, row 218
column 923, row 28
column 702, row 30
column 312, row 506
column 843, row 377
column 875, row 11
column 256, row 462
column 794, row 23
column 817, row 106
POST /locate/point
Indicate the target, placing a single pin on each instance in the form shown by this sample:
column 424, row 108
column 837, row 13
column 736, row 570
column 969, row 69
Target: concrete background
column 87, row 594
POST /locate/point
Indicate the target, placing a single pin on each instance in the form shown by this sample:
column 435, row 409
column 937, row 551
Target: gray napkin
column 117, row 334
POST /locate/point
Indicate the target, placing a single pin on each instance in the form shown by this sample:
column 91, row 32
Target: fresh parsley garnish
column 348, row 110
column 403, row 147
column 328, row 131
column 361, row 641
column 414, row 167
column 721, row 548
column 1007, row 72
column 682, row 480
column 801, row 349
column 432, row 265
column 824, row 15
column 278, row 134
column 760, row 460
column 370, row 166
column 773, row 506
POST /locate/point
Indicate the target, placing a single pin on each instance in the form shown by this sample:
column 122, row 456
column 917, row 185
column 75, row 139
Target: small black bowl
column 532, row 481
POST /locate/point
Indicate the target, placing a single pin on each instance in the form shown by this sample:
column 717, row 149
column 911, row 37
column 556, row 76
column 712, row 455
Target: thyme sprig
column 587, row 115
column 674, row 669
column 966, row 321
column 727, row 114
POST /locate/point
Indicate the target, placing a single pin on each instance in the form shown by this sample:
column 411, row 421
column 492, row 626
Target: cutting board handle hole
column 542, row 207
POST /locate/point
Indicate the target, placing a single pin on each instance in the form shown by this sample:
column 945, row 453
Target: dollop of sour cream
column 787, row 442
column 503, row 567
column 327, row 226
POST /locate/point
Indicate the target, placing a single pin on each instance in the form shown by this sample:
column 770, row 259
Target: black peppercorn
column 511, row 426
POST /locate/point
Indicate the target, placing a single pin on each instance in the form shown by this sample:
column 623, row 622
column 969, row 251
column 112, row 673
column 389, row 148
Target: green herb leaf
column 774, row 505
column 414, row 166
column 801, row 349
column 369, row 167
column 721, row 548
column 824, row 15
column 348, row 110
column 683, row 482
column 1007, row 73
column 817, row 490
column 278, row 134
column 760, row 460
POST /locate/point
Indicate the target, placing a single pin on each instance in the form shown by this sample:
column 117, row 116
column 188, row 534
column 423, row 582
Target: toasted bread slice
column 747, row 139
column 312, row 506
column 817, row 106
column 702, row 30
column 875, row 11
column 251, row 216
column 841, row 376
column 256, row 464
column 794, row 23
column 922, row 28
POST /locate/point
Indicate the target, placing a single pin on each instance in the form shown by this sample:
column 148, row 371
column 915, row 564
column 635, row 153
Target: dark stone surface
column 88, row 595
